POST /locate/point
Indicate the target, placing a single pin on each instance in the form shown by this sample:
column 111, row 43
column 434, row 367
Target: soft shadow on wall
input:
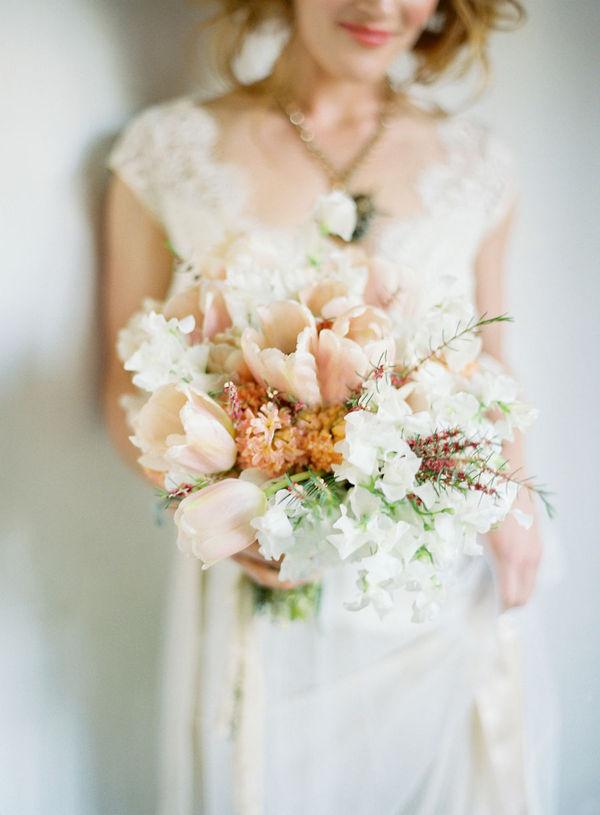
column 83, row 567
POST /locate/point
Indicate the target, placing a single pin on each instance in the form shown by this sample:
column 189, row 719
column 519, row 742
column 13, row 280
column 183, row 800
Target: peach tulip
column 214, row 523
column 327, row 298
column 185, row 428
column 205, row 303
column 358, row 340
column 341, row 366
column 280, row 355
column 157, row 419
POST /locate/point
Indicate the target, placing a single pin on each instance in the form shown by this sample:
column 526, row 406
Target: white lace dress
column 346, row 715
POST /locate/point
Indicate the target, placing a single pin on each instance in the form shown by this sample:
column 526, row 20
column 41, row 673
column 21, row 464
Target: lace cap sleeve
column 498, row 178
column 133, row 158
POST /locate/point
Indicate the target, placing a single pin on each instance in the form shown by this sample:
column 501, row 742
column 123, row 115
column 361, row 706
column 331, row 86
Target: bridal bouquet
column 337, row 413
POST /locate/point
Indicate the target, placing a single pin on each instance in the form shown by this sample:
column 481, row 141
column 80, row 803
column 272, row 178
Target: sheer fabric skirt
column 350, row 715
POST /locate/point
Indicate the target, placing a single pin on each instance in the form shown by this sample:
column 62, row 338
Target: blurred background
column 83, row 565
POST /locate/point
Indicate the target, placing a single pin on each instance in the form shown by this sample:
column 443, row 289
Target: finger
column 265, row 576
column 257, row 560
column 508, row 580
column 258, row 573
column 252, row 551
column 155, row 477
column 518, row 583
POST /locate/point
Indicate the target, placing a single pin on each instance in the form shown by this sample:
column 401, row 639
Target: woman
column 346, row 714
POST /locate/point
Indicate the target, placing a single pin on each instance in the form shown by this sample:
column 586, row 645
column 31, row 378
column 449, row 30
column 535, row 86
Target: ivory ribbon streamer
column 243, row 708
column 499, row 707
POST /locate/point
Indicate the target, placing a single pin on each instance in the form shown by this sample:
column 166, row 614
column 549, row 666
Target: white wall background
column 82, row 565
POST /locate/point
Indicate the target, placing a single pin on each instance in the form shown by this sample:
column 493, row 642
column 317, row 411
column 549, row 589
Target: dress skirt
column 348, row 714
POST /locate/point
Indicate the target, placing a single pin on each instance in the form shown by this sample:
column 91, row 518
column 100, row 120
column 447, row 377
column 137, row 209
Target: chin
column 368, row 73
column 355, row 68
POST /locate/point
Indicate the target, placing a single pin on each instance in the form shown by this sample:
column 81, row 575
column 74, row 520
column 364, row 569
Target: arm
column 516, row 551
column 135, row 264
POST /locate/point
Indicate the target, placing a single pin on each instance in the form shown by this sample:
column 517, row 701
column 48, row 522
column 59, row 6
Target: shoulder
column 164, row 146
column 482, row 165
column 476, row 143
column 158, row 126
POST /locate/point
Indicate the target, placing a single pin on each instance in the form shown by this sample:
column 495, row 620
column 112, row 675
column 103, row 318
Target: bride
column 347, row 714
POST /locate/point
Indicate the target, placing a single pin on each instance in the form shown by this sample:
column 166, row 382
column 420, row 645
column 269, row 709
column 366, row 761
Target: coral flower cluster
column 277, row 436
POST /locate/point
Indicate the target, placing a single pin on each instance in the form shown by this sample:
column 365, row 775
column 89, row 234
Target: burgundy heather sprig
column 450, row 459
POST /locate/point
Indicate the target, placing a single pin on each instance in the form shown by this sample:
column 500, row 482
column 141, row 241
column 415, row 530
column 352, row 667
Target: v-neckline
column 238, row 175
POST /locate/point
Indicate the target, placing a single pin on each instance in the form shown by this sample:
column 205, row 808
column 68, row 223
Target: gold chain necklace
column 340, row 178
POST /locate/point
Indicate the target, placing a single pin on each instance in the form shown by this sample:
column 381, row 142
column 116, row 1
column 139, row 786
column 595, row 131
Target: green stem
column 280, row 483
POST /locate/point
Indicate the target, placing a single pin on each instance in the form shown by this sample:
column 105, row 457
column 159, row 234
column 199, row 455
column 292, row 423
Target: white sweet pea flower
column 475, row 513
column 359, row 447
column 439, row 316
column 275, row 533
column 352, row 533
column 391, row 402
column 371, row 594
column 363, row 503
column 346, row 471
column 460, row 409
column 335, row 213
column 516, row 416
column 462, row 351
column 427, row 493
column 134, row 334
column 361, row 527
column 377, row 579
column 311, row 553
column 432, row 381
column 398, row 475
column 166, row 357
column 382, row 568
column 492, row 387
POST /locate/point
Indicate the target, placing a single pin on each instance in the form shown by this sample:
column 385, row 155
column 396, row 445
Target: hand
column 155, row 477
column 261, row 571
column 517, row 553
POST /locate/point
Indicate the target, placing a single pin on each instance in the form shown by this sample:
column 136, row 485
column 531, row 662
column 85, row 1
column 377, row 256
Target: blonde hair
column 456, row 40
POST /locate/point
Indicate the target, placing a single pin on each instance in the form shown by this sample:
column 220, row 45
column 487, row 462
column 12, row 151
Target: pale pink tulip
column 207, row 444
column 214, row 523
column 281, row 355
column 185, row 428
column 358, row 341
column 205, row 303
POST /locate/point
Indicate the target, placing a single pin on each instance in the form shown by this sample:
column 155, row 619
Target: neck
column 324, row 97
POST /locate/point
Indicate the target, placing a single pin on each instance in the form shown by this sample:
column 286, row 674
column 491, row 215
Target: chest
column 432, row 211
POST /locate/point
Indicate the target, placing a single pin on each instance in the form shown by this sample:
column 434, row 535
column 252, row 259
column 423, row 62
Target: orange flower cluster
column 322, row 428
column 278, row 437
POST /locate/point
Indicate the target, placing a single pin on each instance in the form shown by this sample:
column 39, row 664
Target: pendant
column 365, row 211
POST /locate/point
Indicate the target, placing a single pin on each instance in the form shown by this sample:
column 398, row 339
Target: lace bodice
column 166, row 156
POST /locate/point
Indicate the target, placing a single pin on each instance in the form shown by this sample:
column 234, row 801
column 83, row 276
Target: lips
column 367, row 35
